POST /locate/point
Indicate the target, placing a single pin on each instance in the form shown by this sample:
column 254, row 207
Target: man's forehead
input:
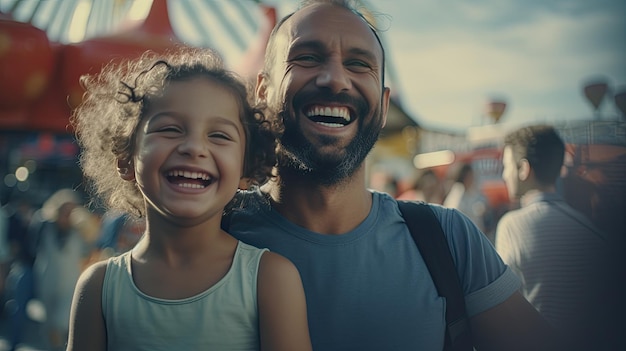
column 307, row 24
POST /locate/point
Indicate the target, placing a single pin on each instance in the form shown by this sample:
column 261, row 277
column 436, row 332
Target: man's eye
column 358, row 66
column 305, row 60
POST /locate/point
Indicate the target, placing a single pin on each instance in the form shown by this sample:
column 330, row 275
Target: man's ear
column 126, row 170
column 261, row 87
column 385, row 104
column 524, row 170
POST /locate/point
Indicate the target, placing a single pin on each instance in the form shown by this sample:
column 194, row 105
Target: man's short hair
column 542, row 146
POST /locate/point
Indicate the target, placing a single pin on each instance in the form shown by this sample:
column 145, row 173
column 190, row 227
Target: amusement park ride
column 40, row 78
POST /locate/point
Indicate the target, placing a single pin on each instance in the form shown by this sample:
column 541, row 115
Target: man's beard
column 297, row 156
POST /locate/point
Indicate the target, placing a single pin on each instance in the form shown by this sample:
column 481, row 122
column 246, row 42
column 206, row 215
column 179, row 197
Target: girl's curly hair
column 115, row 101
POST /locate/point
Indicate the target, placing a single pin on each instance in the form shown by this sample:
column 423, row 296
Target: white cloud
column 538, row 63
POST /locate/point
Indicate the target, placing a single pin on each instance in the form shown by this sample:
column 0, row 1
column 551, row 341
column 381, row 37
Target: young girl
column 171, row 138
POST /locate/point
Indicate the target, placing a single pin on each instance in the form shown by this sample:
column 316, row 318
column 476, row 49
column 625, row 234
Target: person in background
column 427, row 187
column 5, row 251
column 179, row 137
column 59, row 256
column 465, row 196
column 366, row 284
column 19, row 282
column 119, row 232
column 565, row 262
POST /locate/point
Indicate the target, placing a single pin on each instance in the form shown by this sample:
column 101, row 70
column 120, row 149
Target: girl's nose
column 194, row 145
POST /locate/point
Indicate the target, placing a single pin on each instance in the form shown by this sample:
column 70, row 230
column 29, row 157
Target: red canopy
column 40, row 78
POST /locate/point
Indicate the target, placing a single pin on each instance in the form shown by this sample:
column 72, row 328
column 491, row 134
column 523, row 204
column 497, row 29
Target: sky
column 450, row 57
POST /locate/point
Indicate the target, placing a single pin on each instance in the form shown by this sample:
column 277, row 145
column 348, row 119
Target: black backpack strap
column 433, row 246
column 226, row 217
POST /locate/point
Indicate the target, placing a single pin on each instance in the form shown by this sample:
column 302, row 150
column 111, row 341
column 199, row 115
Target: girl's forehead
column 202, row 89
column 196, row 97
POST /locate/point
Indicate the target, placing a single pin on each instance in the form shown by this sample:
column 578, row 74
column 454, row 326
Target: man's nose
column 333, row 76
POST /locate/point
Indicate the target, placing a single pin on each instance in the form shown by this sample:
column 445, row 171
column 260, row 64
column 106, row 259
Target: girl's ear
column 126, row 170
column 244, row 183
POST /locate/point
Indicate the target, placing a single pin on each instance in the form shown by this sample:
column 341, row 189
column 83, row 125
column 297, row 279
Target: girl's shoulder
column 94, row 274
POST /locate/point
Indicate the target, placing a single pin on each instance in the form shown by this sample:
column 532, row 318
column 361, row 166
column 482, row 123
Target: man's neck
column 335, row 209
column 533, row 193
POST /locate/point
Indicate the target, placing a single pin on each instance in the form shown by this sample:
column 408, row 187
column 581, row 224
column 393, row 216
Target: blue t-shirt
column 369, row 289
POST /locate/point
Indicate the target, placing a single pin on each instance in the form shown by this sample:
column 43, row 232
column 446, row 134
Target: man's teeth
column 339, row 112
column 331, row 125
column 190, row 175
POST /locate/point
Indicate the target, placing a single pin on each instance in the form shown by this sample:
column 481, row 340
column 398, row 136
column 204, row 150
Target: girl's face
column 189, row 151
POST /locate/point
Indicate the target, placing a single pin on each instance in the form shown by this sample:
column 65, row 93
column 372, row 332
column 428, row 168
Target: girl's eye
column 217, row 135
column 169, row 129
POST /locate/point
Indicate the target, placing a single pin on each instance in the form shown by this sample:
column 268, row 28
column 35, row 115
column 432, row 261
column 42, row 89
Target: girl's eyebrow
column 228, row 121
column 167, row 113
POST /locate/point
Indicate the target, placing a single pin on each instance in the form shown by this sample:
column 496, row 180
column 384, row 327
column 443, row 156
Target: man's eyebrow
column 368, row 54
column 308, row 44
column 317, row 45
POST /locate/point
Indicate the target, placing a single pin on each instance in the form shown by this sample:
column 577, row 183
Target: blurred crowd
column 43, row 250
column 458, row 188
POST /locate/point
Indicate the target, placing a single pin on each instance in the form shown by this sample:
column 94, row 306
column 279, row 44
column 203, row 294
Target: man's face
column 326, row 84
column 510, row 173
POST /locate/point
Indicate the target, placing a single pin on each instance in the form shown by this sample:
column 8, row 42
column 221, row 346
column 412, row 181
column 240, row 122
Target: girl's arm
column 87, row 328
column 282, row 307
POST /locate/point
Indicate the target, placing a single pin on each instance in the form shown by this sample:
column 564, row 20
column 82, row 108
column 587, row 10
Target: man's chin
column 325, row 171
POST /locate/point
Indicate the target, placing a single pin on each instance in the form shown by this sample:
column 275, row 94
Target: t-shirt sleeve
column 485, row 278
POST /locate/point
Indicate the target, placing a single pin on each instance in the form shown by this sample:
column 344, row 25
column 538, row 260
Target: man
column 366, row 283
column 561, row 257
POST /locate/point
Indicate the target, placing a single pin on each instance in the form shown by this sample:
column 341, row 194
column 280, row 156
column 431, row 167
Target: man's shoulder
column 455, row 225
column 510, row 217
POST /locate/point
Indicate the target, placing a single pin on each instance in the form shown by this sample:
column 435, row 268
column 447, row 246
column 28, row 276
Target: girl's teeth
column 194, row 186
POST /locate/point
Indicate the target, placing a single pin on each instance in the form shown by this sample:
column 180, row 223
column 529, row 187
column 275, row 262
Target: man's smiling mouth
column 329, row 116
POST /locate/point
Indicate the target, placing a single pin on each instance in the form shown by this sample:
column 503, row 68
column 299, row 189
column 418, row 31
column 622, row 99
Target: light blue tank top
column 224, row 317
